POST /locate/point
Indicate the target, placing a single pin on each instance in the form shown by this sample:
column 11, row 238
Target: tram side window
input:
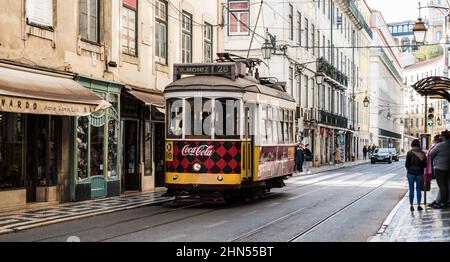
column 175, row 118
column 198, row 117
column 263, row 125
column 291, row 127
column 286, row 126
column 275, row 125
column 269, row 125
column 227, row 122
column 280, row 126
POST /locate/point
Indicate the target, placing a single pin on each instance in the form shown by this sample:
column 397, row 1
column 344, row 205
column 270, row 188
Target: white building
column 305, row 47
column 386, row 106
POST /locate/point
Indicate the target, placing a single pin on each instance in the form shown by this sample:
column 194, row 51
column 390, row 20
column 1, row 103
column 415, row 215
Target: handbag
column 426, row 186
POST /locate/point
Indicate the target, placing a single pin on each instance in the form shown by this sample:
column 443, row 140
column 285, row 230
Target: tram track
column 319, row 222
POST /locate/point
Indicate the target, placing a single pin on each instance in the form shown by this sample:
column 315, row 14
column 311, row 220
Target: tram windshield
column 194, row 116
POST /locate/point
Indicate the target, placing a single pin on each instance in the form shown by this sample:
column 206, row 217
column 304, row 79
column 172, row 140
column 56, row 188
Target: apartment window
column 323, row 45
column 291, row 80
column 329, row 9
column 313, row 38
column 208, row 45
column 306, row 33
column 186, row 46
column 89, row 20
column 329, row 51
column 239, row 17
column 129, row 27
column 161, row 32
column 299, row 25
column 40, row 13
column 291, row 22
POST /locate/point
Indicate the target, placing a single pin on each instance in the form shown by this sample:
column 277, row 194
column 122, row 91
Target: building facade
column 386, row 87
column 102, row 131
column 330, row 115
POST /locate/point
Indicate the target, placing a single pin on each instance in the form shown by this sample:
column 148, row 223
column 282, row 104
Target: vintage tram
column 229, row 134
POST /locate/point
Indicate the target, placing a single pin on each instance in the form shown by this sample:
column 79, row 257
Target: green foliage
column 429, row 52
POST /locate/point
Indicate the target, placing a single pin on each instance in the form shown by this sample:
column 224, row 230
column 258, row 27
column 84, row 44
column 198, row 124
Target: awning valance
column 148, row 98
column 434, row 87
column 32, row 92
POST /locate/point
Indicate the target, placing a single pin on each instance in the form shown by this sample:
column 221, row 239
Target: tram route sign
column 216, row 69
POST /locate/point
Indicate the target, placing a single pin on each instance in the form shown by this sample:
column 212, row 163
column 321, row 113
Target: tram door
column 247, row 146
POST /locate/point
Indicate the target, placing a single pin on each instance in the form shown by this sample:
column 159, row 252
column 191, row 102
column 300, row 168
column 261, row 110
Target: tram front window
column 175, row 118
column 198, row 117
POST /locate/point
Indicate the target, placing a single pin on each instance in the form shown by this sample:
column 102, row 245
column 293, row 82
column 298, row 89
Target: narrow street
column 348, row 204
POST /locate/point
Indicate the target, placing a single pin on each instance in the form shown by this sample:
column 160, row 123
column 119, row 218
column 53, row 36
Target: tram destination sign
column 216, row 69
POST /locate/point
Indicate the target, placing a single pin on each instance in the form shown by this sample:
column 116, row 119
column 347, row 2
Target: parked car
column 394, row 154
column 381, row 155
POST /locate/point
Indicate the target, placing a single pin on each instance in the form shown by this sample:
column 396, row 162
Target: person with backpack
column 416, row 163
column 308, row 158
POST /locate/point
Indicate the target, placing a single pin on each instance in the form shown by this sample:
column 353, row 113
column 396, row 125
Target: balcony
column 328, row 69
column 353, row 11
column 330, row 119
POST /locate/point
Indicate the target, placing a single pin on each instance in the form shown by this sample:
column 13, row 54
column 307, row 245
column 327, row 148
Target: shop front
column 96, row 145
column 36, row 110
column 143, row 118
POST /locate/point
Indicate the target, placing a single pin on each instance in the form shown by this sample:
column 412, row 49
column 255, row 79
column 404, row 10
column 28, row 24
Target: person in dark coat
column 299, row 158
column 416, row 162
column 365, row 152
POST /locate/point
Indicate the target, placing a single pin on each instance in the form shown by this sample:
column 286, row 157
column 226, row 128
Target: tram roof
column 219, row 83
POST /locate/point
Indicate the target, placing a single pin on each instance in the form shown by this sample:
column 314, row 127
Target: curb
column 73, row 218
column 388, row 220
column 332, row 168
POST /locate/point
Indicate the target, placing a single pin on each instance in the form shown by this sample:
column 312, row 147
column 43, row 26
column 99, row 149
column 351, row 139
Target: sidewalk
column 22, row 220
column 328, row 167
column 402, row 225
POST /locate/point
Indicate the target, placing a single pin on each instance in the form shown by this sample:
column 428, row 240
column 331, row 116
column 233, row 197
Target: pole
column 254, row 30
column 353, row 87
column 426, row 131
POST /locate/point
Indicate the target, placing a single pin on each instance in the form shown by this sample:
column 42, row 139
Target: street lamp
column 420, row 32
column 366, row 102
column 319, row 79
column 267, row 48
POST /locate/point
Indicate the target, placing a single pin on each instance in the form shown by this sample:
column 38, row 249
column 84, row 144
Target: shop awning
column 148, row 98
column 30, row 91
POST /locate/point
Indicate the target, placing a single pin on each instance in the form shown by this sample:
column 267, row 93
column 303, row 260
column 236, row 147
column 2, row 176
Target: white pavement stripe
column 217, row 224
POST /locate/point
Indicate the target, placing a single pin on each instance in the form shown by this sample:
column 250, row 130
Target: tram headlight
column 220, row 178
column 197, row 167
column 175, row 177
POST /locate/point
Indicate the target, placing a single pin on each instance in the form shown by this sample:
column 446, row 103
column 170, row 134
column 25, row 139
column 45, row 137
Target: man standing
column 299, row 158
column 308, row 158
column 365, row 152
column 440, row 155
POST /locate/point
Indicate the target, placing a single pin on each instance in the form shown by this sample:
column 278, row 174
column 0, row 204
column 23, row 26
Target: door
column 159, row 149
column 247, row 147
column 131, row 155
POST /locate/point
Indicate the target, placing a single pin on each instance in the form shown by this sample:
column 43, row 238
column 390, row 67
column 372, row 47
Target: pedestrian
column 365, row 152
column 415, row 165
column 299, row 159
column 440, row 155
column 337, row 155
column 429, row 171
column 308, row 158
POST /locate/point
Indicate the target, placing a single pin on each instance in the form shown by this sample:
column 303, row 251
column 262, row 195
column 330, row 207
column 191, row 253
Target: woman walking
column 415, row 164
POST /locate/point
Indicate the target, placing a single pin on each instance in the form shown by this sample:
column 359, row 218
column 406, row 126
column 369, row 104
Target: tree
column 429, row 52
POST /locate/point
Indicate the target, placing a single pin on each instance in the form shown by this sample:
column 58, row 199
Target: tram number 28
column 169, row 151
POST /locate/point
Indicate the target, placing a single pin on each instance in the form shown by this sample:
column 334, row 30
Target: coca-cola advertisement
column 213, row 157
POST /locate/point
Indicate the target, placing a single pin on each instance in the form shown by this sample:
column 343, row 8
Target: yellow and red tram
column 228, row 133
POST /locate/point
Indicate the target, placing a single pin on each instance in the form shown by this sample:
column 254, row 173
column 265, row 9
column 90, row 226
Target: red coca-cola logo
column 204, row 150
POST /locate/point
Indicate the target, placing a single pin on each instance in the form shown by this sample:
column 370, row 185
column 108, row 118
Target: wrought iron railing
column 354, row 9
column 330, row 119
column 331, row 71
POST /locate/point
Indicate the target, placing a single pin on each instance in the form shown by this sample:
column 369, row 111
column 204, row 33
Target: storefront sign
column 34, row 106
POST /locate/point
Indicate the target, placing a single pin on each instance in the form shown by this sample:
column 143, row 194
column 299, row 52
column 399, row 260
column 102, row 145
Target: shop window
column 113, row 143
column 12, row 150
column 97, row 144
column 83, row 148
